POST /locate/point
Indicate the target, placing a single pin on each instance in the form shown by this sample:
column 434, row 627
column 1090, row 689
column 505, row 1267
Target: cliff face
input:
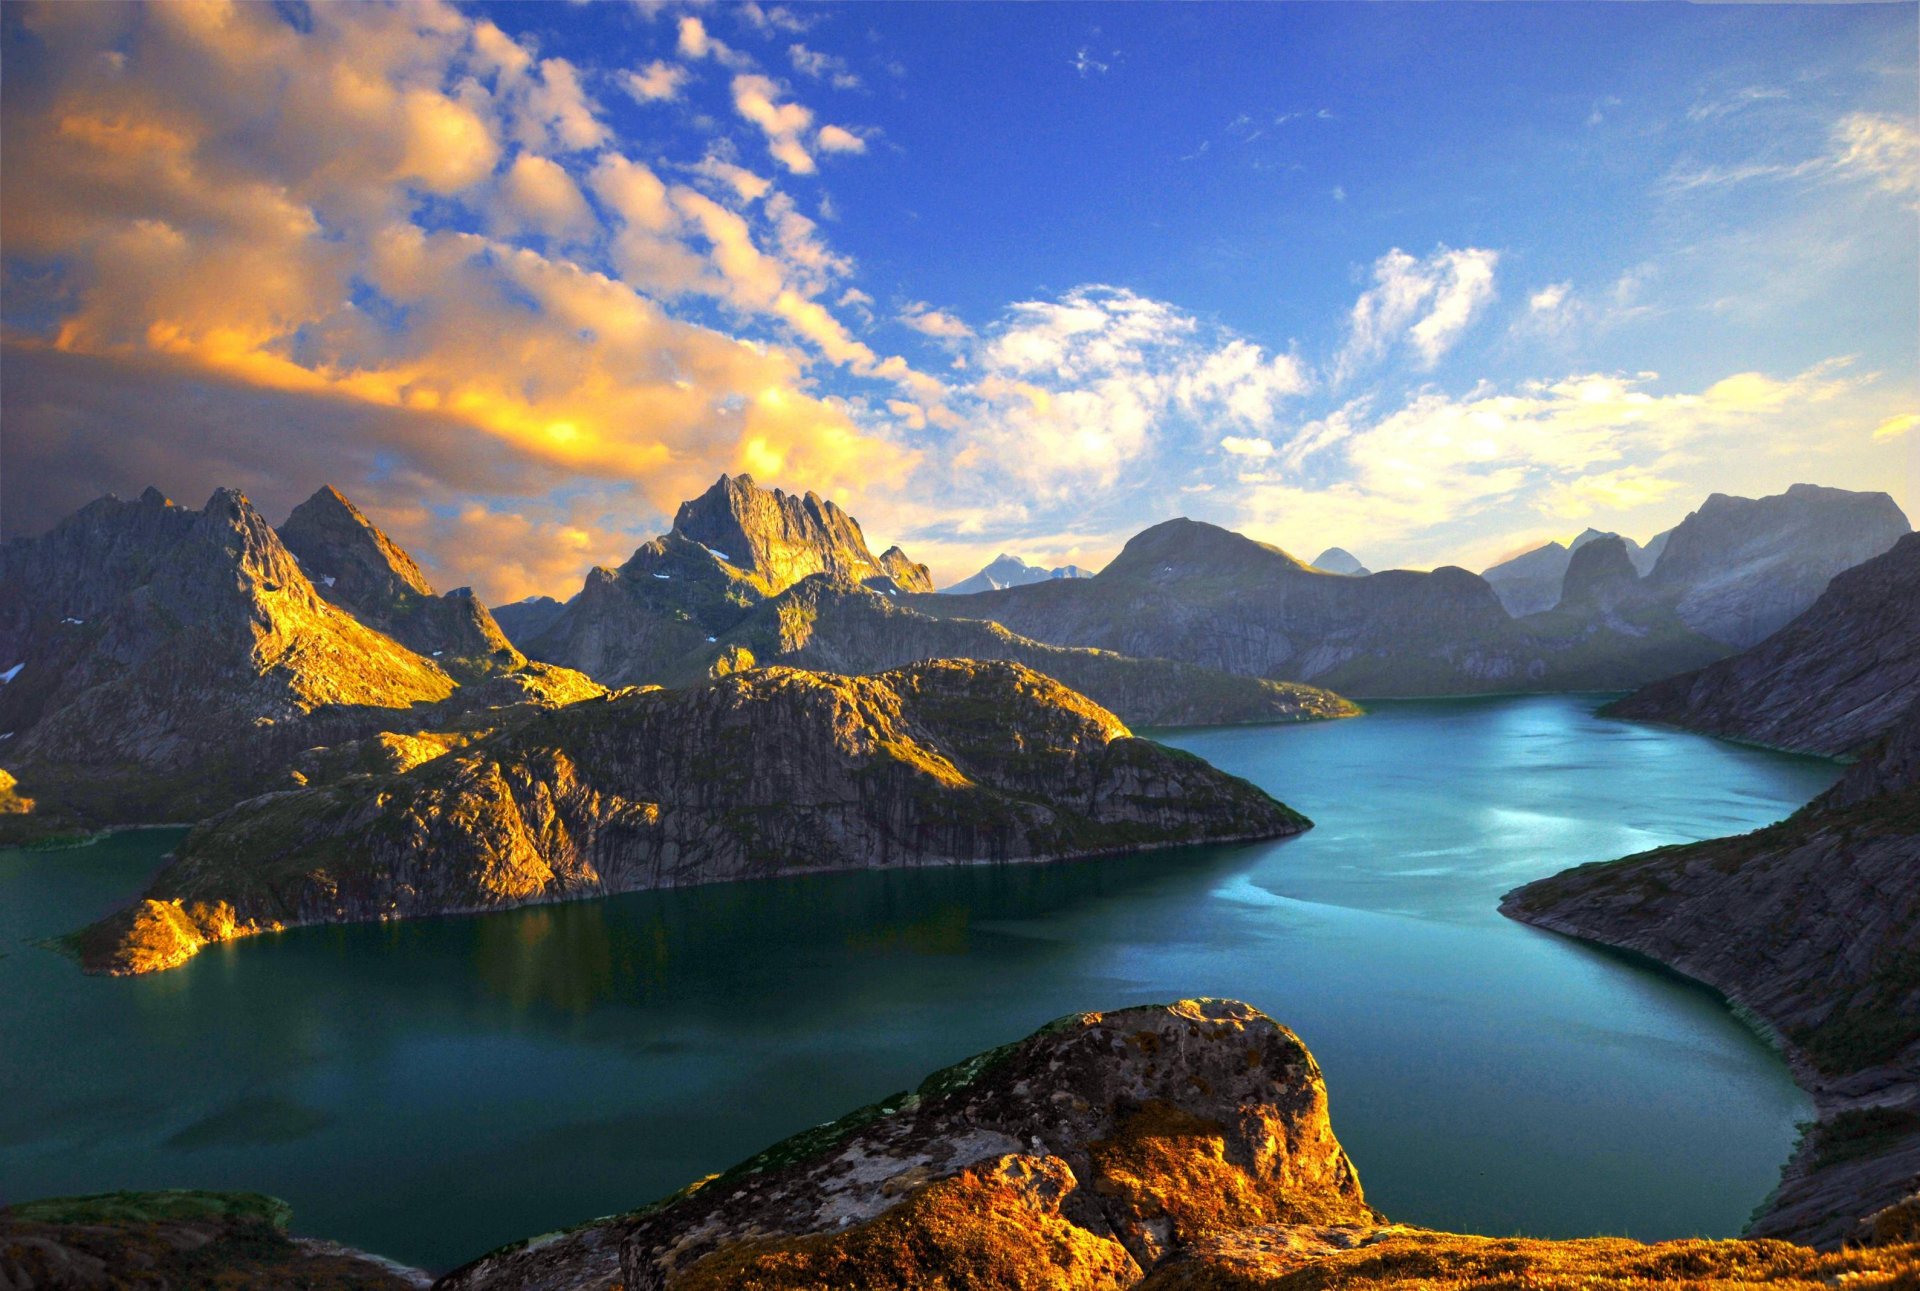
column 1813, row 924
column 1175, row 1146
column 777, row 539
column 357, row 567
column 1828, row 682
column 1203, row 595
column 1742, row 568
column 768, row 772
column 830, row 626
column 1533, row 581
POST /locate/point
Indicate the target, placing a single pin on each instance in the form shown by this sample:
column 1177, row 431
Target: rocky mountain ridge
column 172, row 661
column 768, row 772
column 1011, row 571
column 1829, row 682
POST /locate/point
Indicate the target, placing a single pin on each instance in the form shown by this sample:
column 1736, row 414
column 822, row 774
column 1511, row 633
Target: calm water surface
column 431, row 1089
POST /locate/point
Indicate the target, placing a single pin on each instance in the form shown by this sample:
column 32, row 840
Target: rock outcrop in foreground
column 1174, row 1146
column 1828, row 682
column 1813, row 926
column 768, row 772
column 158, row 1241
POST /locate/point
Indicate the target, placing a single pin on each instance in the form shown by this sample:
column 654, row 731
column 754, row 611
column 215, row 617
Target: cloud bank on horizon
column 520, row 278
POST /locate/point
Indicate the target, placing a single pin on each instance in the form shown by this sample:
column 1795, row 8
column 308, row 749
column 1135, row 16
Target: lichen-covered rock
column 178, row 1241
column 767, row 772
column 1078, row 1157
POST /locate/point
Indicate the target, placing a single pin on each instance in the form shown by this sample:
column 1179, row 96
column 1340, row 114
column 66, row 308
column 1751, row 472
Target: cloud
column 1084, row 63
column 1071, row 394
column 829, row 67
column 757, row 99
column 928, row 321
column 1427, row 304
column 266, row 235
column 837, row 139
column 1240, row 446
column 657, row 82
column 538, row 196
column 1896, row 426
column 1879, row 148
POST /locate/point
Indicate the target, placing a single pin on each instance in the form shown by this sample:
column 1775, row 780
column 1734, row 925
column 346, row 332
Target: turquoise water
column 431, row 1089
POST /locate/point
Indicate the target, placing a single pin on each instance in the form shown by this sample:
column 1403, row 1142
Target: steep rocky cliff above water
column 773, row 771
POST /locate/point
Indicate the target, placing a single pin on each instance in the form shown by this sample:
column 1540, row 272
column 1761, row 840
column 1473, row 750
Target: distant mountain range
column 1012, row 571
column 1530, row 582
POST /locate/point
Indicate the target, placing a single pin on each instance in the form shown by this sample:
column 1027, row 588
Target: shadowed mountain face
column 171, row 661
column 1739, row 569
column 774, row 771
column 1829, row 682
column 1196, row 593
column 1010, row 571
column 1531, row 582
column 1338, row 560
column 355, row 566
column 829, row 625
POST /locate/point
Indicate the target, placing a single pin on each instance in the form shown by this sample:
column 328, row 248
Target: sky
column 1434, row 283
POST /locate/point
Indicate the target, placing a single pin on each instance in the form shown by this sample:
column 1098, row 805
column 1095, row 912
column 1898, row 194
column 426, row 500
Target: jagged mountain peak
column 776, row 537
column 334, row 540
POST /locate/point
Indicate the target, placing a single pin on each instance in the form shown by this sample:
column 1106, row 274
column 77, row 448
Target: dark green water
column 431, row 1089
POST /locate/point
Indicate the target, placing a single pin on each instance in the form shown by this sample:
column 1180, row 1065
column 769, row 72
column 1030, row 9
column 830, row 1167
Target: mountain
column 836, row 627
column 774, row 539
column 1531, row 581
column 1338, row 560
column 520, row 620
column 167, row 662
column 729, row 549
column 1010, row 571
column 768, row 772
column 1828, row 682
column 1196, row 593
column 1609, row 628
column 1739, row 569
column 157, row 644
column 357, row 567
column 1171, row 1147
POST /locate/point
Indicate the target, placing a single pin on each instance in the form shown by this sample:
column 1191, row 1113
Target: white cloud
column 657, row 82
column 1880, row 148
column 928, row 321
column 757, row 99
column 828, row 67
column 1241, row 446
column 1425, row 303
column 537, row 195
column 839, row 139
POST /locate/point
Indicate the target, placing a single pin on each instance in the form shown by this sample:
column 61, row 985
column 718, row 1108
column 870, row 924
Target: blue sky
column 1429, row 282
